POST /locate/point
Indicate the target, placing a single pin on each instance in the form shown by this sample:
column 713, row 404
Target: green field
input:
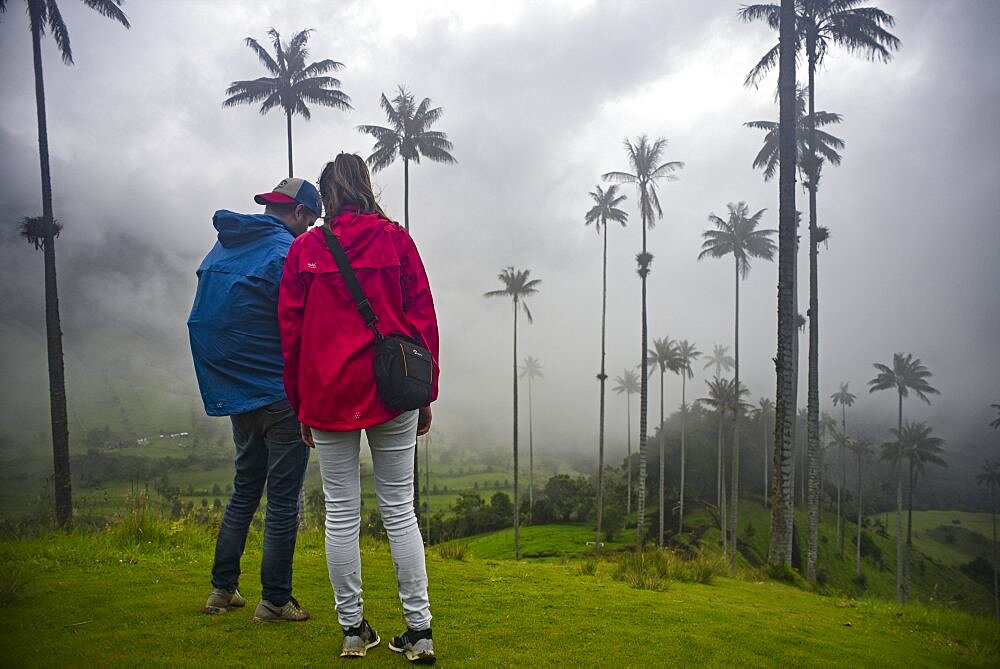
column 951, row 537
column 121, row 598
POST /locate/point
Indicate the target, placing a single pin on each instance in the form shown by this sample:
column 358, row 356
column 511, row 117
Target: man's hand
column 307, row 436
column 424, row 421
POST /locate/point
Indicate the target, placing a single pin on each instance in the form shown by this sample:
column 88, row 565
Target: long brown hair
column 345, row 181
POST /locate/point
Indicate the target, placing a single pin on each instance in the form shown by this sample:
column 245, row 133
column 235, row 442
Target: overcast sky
column 538, row 98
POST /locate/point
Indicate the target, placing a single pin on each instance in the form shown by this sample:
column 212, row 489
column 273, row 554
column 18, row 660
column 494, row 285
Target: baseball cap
column 292, row 190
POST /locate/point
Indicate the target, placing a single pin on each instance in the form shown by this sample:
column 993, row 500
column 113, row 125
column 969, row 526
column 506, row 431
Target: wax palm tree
column 996, row 423
column 531, row 369
column 720, row 359
column 818, row 25
column 292, row 83
column 765, row 414
column 862, row 450
column 907, row 373
column 628, row 383
column 827, row 145
column 517, row 285
column 408, row 136
column 843, row 398
column 664, row 355
column 722, row 398
column 739, row 237
column 914, row 444
column 605, row 209
column 41, row 232
column 644, row 160
column 687, row 353
column 989, row 476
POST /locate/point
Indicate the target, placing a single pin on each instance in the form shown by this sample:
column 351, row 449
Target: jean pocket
column 278, row 408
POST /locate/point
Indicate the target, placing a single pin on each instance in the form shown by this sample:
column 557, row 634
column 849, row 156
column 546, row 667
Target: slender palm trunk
column 531, row 454
column 602, row 377
column 661, row 486
column 680, row 514
column 517, row 514
column 996, row 583
column 736, row 431
column 841, row 482
column 643, row 397
column 900, row 593
column 812, row 403
column 628, row 457
column 53, row 328
column 724, row 512
column 720, row 488
column 288, row 125
column 406, row 194
column 909, row 527
column 763, row 447
column 427, row 485
column 779, row 552
column 857, row 543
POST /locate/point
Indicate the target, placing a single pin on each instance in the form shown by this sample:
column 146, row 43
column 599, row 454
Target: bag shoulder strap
column 351, row 279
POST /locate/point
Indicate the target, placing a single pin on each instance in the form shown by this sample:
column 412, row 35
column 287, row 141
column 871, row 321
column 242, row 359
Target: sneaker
column 417, row 645
column 269, row 613
column 222, row 600
column 358, row 639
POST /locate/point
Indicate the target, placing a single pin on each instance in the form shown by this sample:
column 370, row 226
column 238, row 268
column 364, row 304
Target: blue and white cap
column 293, row 190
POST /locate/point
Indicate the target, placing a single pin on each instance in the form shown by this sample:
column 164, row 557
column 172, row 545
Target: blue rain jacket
column 233, row 326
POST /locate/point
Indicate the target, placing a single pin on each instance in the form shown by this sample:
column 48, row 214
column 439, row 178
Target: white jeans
column 392, row 444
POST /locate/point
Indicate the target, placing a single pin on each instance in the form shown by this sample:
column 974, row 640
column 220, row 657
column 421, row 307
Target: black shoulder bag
column 404, row 369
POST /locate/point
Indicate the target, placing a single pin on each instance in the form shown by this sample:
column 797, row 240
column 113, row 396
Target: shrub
column 452, row 551
column 643, row 571
column 587, row 568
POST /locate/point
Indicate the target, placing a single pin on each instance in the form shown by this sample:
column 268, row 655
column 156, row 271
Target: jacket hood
column 238, row 229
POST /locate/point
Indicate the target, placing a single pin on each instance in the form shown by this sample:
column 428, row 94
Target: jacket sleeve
column 418, row 304
column 291, row 309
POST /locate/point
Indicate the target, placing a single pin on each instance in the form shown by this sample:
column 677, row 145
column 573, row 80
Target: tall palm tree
column 41, row 232
column 989, row 476
column 765, row 413
column 722, row 398
column 531, row 369
column 862, row 450
column 827, row 145
column 644, row 160
column 687, row 353
column 843, row 398
column 720, row 359
column 818, row 25
column 907, row 373
column 664, row 355
column 605, row 209
column 292, row 83
column 737, row 236
column 517, row 286
column 780, row 545
column 628, row 383
column 408, row 136
column 915, row 445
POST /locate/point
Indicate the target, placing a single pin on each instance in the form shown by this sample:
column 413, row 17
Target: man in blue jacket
column 236, row 347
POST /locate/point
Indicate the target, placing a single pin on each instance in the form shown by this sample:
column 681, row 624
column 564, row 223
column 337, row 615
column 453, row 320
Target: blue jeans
column 269, row 451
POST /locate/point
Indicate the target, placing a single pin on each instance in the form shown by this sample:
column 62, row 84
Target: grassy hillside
column 126, row 597
column 950, row 537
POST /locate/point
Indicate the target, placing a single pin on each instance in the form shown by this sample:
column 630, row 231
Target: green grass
column 124, row 598
column 971, row 534
column 540, row 541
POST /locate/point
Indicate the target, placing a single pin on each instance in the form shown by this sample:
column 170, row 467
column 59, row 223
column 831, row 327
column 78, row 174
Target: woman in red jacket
column 329, row 379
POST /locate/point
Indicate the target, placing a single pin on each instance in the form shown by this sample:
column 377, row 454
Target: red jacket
column 328, row 351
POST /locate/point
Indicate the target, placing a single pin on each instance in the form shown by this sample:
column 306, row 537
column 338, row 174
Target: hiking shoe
column 416, row 645
column 269, row 613
column 358, row 639
column 222, row 600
